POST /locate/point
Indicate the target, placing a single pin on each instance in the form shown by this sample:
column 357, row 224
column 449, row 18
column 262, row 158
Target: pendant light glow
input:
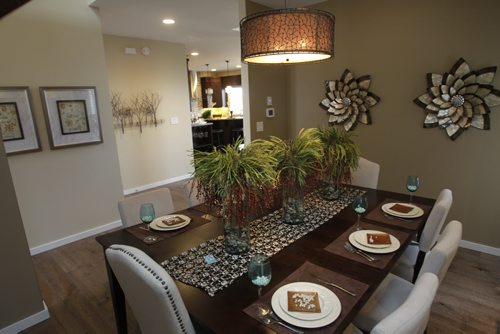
column 294, row 35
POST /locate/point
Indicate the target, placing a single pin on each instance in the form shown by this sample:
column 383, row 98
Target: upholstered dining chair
column 366, row 175
column 398, row 306
column 129, row 206
column 439, row 259
column 410, row 262
column 191, row 193
column 150, row 291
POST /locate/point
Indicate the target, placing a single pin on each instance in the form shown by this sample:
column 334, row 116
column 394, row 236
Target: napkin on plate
column 378, row 238
column 401, row 208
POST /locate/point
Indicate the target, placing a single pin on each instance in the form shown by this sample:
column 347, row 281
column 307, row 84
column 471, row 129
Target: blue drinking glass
column 412, row 184
column 359, row 205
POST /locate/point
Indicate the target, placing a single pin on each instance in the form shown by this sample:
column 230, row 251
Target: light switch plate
column 260, row 126
column 174, row 120
column 269, row 100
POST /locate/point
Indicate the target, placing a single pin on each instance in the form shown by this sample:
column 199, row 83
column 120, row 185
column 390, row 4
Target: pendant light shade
column 293, row 35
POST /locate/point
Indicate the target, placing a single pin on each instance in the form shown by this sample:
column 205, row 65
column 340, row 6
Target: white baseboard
column 27, row 322
column 74, row 237
column 480, row 248
column 156, row 184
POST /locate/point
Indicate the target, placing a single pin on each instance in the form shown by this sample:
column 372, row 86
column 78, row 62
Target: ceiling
column 205, row 26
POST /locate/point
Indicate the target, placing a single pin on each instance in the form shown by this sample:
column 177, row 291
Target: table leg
column 118, row 299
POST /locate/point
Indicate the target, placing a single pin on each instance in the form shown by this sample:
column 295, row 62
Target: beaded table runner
column 268, row 236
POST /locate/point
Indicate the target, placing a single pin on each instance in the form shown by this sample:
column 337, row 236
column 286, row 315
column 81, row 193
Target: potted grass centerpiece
column 340, row 157
column 237, row 182
column 296, row 159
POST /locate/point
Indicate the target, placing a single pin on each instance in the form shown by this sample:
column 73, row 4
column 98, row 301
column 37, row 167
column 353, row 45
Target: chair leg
column 418, row 265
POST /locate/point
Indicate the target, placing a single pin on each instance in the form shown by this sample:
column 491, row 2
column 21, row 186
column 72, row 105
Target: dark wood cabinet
column 217, row 84
column 202, row 137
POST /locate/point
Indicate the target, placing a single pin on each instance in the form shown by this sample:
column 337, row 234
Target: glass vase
column 236, row 231
column 293, row 204
column 330, row 191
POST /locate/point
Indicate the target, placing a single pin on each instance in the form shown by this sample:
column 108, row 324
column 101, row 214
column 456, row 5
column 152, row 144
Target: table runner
column 268, row 236
column 305, row 274
column 377, row 215
column 382, row 260
column 140, row 233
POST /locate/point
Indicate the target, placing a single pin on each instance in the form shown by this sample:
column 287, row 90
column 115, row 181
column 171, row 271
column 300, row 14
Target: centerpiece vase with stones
column 297, row 159
column 236, row 182
column 340, row 158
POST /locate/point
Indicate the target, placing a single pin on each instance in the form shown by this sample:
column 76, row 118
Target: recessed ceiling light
column 168, row 21
column 195, row 53
column 213, row 69
column 238, row 66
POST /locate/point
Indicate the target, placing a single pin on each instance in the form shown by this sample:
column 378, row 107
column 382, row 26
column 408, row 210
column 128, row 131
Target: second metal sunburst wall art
column 348, row 100
column 460, row 99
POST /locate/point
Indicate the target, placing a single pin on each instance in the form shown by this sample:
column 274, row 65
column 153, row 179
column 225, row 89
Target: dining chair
column 398, row 306
column 191, row 192
column 129, row 206
column 410, row 262
column 150, row 291
column 366, row 175
column 440, row 257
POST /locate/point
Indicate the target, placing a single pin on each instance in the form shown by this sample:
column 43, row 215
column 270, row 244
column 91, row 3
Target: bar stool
column 237, row 133
column 218, row 137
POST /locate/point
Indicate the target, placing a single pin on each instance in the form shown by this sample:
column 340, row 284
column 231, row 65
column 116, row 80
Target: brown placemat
column 305, row 273
column 337, row 246
column 413, row 224
column 140, row 233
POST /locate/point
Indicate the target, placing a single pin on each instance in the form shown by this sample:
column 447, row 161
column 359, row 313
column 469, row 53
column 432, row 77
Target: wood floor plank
column 74, row 286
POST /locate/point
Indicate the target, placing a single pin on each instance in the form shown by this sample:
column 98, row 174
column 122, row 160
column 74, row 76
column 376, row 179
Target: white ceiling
column 204, row 26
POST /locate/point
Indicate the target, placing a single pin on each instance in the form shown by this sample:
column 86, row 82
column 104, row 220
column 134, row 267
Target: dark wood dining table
column 223, row 313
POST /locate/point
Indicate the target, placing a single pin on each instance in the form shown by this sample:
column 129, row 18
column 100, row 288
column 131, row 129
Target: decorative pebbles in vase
column 237, row 181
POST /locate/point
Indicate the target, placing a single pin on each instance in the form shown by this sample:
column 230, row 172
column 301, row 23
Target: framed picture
column 17, row 123
column 71, row 115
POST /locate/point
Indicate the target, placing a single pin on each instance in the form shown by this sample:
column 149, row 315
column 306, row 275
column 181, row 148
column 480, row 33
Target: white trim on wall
column 156, row 184
column 480, row 248
column 27, row 322
column 74, row 237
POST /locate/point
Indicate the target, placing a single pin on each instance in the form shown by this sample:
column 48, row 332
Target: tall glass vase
column 293, row 204
column 236, row 230
column 330, row 191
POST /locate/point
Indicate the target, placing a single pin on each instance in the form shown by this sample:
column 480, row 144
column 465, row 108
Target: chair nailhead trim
column 162, row 282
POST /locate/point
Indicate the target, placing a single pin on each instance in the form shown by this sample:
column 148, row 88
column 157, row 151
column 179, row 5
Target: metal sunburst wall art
column 348, row 100
column 460, row 99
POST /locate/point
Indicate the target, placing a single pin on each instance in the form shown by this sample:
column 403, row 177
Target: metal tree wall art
column 460, row 99
column 139, row 111
column 348, row 100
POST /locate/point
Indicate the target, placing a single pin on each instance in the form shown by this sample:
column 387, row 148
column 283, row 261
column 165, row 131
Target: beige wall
column 264, row 81
column 397, row 43
column 66, row 191
column 18, row 286
column 159, row 153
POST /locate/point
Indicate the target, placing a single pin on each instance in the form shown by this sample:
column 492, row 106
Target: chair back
column 191, row 192
column 129, row 207
column 440, row 257
column 436, row 219
column 413, row 315
column 366, row 175
column 150, row 291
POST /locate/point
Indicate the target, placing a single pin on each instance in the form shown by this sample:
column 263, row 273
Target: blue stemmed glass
column 147, row 213
column 259, row 271
column 360, row 204
column 412, row 184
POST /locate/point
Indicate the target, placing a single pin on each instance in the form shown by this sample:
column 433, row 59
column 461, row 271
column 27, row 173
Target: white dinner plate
column 361, row 238
column 395, row 244
column 158, row 224
column 415, row 213
column 329, row 302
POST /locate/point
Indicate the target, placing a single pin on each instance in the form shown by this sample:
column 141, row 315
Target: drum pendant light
column 287, row 36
